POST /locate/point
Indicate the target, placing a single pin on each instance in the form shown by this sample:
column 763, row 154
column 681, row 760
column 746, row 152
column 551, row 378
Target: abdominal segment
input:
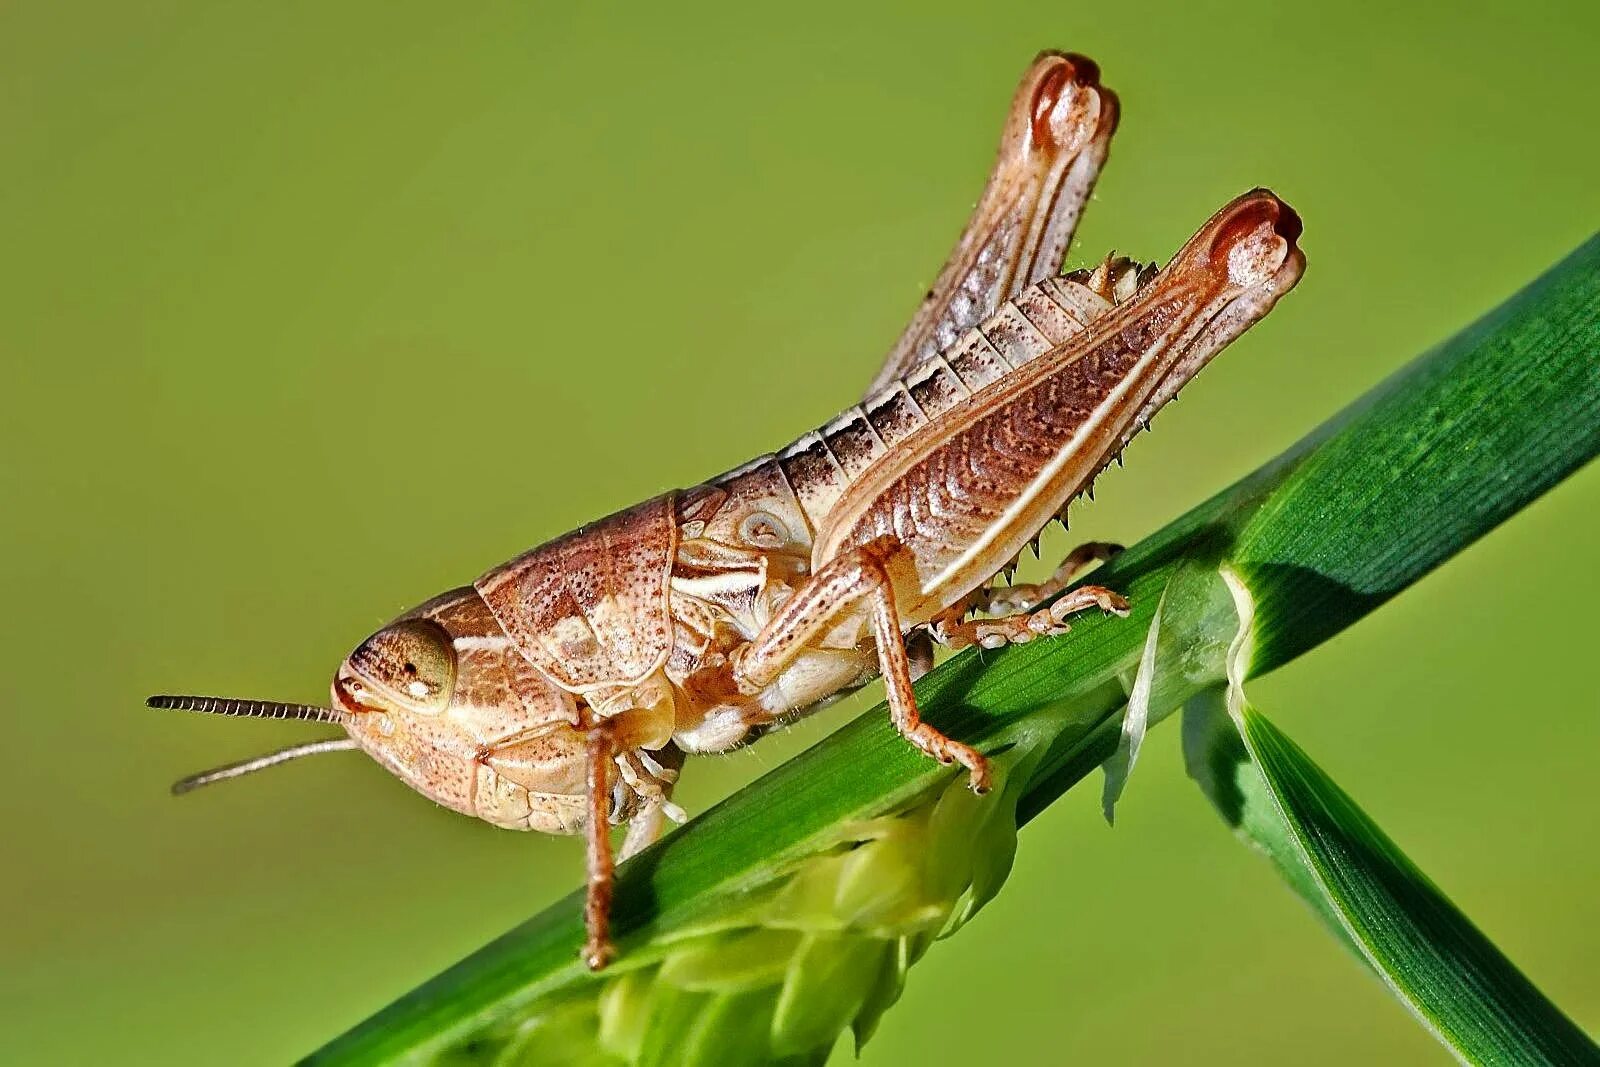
column 967, row 506
column 1018, row 418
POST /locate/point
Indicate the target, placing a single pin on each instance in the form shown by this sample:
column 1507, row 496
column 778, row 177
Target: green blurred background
column 309, row 311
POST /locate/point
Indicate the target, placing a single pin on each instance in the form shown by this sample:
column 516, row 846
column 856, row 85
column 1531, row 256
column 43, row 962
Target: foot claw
column 596, row 955
column 1117, row 605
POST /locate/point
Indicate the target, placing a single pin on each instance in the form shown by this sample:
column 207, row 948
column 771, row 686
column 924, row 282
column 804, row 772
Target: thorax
column 744, row 548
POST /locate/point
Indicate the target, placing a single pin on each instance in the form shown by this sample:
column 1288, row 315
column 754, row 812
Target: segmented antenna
column 253, row 709
column 260, row 763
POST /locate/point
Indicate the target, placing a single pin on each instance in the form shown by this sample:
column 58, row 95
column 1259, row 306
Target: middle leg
column 856, row 579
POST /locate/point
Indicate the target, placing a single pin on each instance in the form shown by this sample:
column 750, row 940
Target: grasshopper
column 561, row 690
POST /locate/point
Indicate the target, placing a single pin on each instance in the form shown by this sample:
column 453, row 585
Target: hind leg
column 1015, row 599
column 1020, row 618
column 1019, row 629
column 858, row 580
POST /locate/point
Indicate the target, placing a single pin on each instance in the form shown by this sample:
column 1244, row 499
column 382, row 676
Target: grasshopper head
column 443, row 701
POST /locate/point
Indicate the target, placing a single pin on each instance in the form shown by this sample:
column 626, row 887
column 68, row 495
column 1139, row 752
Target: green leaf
column 750, row 960
column 1409, row 475
column 1136, row 719
column 736, row 1028
column 1218, row 760
column 1441, row 967
column 829, row 980
column 1457, row 983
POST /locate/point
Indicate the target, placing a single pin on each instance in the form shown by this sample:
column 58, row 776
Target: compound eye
column 412, row 663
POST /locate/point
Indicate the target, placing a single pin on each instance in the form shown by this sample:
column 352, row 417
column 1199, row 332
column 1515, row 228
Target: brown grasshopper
column 560, row 690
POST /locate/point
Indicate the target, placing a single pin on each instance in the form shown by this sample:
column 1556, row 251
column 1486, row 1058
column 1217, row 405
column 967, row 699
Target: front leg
column 858, row 577
column 651, row 775
column 601, row 865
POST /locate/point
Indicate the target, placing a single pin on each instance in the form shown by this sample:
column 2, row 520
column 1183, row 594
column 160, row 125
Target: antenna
column 253, row 709
column 261, row 763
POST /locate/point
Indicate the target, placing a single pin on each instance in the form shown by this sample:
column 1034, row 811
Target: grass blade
column 1450, row 976
column 1457, row 983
